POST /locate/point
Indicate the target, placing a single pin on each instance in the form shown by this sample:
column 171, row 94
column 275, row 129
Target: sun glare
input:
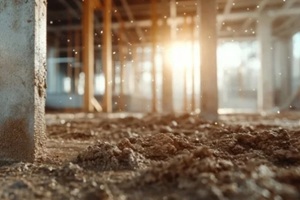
column 181, row 55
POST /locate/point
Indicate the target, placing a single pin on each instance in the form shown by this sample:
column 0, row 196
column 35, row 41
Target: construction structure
column 126, row 55
column 23, row 78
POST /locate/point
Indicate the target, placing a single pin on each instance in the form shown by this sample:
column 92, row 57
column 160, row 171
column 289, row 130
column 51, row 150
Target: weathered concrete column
column 208, row 42
column 265, row 91
column 22, row 78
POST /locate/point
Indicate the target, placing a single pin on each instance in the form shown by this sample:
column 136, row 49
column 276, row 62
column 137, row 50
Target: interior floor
column 133, row 156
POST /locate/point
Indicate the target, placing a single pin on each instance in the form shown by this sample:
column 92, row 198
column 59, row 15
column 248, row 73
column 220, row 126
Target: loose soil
column 161, row 157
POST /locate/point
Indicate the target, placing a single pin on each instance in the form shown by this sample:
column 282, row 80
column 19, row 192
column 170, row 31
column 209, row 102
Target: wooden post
column 107, row 56
column 88, row 54
column 153, row 53
column 265, row 93
column 208, row 42
column 22, row 79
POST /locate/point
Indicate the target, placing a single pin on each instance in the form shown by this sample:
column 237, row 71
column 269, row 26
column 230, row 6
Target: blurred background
column 173, row 47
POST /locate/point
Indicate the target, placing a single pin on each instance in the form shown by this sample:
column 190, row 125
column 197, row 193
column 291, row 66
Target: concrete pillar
column 208, row 42
column 167, row 86
column 135, row 65
column 193, row 97
column 122, row 71
column 283, row 71
column 184, row 38
column 265, row 91
column 22, row 78
column 107, row 55
column 141, row 67
column 153, row 53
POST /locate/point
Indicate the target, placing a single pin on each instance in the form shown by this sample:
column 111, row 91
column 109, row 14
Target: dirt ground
column 161, row 157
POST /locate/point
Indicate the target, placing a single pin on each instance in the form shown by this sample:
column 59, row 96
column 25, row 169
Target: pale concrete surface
column 22, row 78
column 265, row 90
column 208, row 41
column 283, row 69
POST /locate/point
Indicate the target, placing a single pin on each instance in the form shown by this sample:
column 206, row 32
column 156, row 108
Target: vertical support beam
column 53, row 53
column 282, row 65
column 69, row 64
column 114, row 77
column 185, row 95
column 192, row 29
column 22, row 79
column 173, row 14
column 122, row 71
column 88, row 54
column 185, row 67
column 135, row 69
column 141, row 65
column 153, row 53
column 167, row 89
column 107, row 56
column 208, row 42
column 265, row 93
column 77, row 60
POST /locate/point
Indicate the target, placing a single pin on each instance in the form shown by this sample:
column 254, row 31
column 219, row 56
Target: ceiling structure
column 236, row 18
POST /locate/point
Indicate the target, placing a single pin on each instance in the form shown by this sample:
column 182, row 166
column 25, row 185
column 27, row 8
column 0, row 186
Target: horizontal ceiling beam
column 132, row 20
column 286, row 12
column 259, row 10
column 147, row 23
column 291, row 30
column 180, row 20
column 227, row 11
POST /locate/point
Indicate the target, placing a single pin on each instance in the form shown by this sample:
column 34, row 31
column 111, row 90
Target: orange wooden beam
column 107, row 56
column 88, row 54
column 97, row 5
